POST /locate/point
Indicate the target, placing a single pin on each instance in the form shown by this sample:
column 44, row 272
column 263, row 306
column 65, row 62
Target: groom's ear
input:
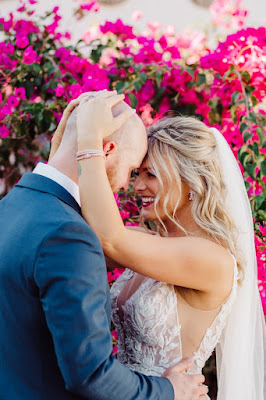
column 109, row 148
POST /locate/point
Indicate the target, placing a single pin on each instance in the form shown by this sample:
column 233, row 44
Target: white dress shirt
column 52, row 173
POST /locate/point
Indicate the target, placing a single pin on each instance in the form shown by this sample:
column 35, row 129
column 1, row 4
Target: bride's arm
column 112, row 264
column 189, row 262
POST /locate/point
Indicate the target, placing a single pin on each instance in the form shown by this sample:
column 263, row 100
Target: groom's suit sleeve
column 70, row 273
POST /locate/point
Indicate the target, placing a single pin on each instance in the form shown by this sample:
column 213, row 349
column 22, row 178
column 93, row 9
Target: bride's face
column 147, row 186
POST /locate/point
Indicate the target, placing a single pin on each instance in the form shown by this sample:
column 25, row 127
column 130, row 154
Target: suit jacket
column 55, row 341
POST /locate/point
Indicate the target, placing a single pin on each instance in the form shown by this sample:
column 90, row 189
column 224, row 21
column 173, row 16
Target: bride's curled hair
column 185, row 148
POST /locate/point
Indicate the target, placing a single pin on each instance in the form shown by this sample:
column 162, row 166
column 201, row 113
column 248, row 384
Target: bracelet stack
column 82, row 155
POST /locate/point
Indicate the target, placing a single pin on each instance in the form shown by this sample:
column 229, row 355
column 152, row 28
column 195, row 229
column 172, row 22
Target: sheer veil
column 240, row 353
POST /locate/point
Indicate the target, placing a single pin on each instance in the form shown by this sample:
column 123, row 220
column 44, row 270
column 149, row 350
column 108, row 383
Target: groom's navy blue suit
column 55, row 341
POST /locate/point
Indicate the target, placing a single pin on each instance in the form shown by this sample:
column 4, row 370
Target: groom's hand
column 186, row 387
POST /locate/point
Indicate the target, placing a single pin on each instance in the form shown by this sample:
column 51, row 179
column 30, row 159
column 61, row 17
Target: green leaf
column 263, row 168
column 250, row 89
column 137, row 86
column 143, row 77
column 256, row 148
column 29, row 88
column 233, row 113
column 253, row 118
column 235, row 97
column 243, row 126
column 262, row 214
column 260, row 134
column 247, row 185
column 158, row 77
column 97, row 53
column 120, row 86
column 254, row 100
column 190, row 71
column 258, row 201
column 250, row 169
column 263, row 144
column 191, row 84
column 245, row 76
column 133, row 100
column 201, row 79
column 58, row 74
column 247, row 136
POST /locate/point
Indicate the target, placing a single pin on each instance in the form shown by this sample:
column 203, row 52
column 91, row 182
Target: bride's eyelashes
column 150, row 174
column 135, row 174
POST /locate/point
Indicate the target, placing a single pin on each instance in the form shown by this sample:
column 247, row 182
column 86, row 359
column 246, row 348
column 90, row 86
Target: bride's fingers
column 113, row 100
column 203, row 390
column 122, row 118
column 107, row 94
column 91, row 94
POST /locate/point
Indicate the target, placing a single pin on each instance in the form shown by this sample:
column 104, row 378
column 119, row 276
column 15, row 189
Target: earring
column 191, row 195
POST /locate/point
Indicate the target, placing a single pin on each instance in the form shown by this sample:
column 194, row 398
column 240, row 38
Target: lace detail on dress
column 149, row 339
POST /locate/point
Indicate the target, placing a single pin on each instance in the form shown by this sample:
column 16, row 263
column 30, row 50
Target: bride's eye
column 151, row 175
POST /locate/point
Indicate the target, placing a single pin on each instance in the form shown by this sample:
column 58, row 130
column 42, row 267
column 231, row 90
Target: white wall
column 181, row 13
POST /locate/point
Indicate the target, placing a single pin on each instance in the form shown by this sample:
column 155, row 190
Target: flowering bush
column 158, row 70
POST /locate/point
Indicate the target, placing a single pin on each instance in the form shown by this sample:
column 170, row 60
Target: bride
column 192, row 288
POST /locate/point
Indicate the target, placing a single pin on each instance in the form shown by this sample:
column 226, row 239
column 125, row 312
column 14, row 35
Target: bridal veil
column 240, row 352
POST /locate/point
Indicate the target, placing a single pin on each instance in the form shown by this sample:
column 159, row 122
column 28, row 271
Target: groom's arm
column 71, row 275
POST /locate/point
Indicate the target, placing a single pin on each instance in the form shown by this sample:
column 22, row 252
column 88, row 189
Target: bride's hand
column 58, row 135
column 95, row 120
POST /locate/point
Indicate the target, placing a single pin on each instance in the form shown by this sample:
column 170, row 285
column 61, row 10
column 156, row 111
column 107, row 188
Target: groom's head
column 124, row 149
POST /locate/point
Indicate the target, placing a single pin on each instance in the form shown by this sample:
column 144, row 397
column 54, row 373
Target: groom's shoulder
column 39, row 213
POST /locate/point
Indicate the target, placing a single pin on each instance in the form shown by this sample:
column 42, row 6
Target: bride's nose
column 139, row 185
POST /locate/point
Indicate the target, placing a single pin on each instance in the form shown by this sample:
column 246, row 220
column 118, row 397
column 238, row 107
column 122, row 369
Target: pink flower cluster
column 119, row 29
column 158, row 69
column 89, row 76
column 228, row 14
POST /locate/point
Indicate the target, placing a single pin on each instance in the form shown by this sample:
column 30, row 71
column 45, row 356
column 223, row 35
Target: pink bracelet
column 85, row 154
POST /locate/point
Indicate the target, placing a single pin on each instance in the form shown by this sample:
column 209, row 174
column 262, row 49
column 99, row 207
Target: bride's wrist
column 90, row 145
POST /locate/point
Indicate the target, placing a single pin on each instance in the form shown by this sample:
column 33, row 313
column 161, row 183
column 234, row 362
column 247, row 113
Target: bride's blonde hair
column 185, row 148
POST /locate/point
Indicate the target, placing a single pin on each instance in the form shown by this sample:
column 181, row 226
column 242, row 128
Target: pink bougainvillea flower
column 23, row 27
column 124, row 214
column 20, row 93
column 7, row 110
column 228, row 14
column 30, row 56
column 59, row 91
column 119, row 29
column 91, row 6
column 22, row 8
column 13, row 101
column 137, row 15
column 7, row 48
column 22, row 42
column 4, row 131
column 154, row 27
column 7, row 24
column 91, row 34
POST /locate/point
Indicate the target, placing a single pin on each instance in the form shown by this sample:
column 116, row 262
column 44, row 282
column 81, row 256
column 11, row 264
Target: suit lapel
column 46, row 185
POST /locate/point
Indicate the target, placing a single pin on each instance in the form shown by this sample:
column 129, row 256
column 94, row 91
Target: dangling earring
column 191, row 195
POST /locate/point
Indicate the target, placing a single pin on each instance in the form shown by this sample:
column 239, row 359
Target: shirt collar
column 52, row 173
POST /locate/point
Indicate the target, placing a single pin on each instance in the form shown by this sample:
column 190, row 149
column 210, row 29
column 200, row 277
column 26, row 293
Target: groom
column 55, row 341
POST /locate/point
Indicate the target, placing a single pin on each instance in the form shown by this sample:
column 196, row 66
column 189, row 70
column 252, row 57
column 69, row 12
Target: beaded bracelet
column 85, row 154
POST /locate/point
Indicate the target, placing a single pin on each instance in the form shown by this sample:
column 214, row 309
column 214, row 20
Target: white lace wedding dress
column 150, row 337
